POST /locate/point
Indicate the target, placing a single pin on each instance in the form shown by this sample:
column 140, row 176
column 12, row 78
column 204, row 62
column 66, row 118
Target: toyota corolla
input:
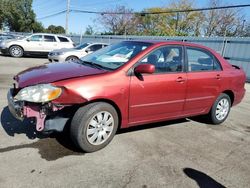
column 127, row 84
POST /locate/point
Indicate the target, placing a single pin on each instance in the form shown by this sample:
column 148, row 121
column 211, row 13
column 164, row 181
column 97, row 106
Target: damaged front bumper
column 47, row 117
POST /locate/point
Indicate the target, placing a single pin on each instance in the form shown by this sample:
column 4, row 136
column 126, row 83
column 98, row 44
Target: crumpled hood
column 54, row 72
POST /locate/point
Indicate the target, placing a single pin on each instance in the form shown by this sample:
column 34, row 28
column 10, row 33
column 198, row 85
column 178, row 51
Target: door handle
column 180, row 80
column 218, row 77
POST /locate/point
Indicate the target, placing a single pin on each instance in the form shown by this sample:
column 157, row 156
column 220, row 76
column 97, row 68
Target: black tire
column 16, row 51
column 71, row 58
column 212, row 115
column 81, row 122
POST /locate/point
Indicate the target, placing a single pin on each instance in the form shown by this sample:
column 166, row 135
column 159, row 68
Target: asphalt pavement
column 182, row 153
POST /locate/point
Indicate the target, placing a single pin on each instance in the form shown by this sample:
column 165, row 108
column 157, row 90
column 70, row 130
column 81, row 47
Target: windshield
column 81, row 46
column 116, row 55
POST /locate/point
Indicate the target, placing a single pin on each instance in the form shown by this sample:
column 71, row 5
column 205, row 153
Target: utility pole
column 67, row 18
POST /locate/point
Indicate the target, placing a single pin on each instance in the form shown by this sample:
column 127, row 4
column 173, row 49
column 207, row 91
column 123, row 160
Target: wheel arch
column 112, row 103
column 231, row 95
column 15, row 45
column 71, row 56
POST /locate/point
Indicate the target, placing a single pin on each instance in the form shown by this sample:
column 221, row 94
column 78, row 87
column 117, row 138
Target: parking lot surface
column 183, row 153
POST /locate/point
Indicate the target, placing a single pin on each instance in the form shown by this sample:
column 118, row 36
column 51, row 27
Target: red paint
column 154, row 98
column 52, row 72
column 145, row 68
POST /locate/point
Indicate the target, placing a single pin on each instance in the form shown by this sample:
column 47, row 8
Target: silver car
column 79, row 51
column 35, row 44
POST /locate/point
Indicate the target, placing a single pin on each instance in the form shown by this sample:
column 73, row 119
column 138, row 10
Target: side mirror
column 145, row 68
column 88, row 50
column 28, row 39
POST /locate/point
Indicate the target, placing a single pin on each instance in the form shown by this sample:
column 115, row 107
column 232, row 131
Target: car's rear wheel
column 220, row 109
column 16, row 51
column 94, row 126
column 72, row 58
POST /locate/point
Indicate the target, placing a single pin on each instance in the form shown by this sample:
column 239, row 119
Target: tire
column 89, row 126
column 71, row 58
column 16, row 51
column 220, row 109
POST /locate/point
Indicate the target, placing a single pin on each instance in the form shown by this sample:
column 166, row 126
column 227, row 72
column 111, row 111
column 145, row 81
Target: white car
column 72, row 54
column 35, row 44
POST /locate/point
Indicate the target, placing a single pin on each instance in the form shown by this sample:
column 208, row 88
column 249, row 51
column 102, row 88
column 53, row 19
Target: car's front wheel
column 220, row 109
column 16, row 51
column 72, row 58
column 94, row 126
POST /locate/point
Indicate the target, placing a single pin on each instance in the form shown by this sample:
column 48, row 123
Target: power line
column 52, row 15
column 163, row 12
column 147, row 13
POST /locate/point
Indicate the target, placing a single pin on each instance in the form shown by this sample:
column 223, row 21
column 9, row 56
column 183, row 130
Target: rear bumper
column 239, row 96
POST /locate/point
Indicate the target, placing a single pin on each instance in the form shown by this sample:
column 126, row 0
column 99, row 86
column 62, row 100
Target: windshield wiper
column 95, row 65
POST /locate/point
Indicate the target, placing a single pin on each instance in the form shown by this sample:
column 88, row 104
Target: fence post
column 224, row 45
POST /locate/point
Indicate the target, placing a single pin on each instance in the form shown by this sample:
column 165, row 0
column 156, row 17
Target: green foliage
column 19, row 16
column 55, row 29
column 226, row 22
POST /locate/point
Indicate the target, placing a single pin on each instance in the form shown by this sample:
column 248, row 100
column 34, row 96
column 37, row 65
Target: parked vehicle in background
column 127, row 84
column 35, row 44
column 4, row 36
column 66, row 54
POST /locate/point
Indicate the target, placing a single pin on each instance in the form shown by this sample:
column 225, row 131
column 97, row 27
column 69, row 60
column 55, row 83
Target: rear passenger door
column 50, row 43
column 64, row 42
column 203, row 80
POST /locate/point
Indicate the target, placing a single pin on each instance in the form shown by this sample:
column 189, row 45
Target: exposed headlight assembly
column 39, row 93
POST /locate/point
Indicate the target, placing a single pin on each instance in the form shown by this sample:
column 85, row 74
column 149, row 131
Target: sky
column 79, row 21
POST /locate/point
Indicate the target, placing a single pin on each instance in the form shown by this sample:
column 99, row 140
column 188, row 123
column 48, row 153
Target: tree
column 55, row 29
column 37, row 27
column 170, row 24
column 155, row 24
column 89, row 30
column 187, row 23
column 225, row 22
column 118, row 24
column 18, row 16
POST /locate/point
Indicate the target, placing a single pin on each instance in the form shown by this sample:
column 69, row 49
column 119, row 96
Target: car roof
column 49, row 34
column 168, row 42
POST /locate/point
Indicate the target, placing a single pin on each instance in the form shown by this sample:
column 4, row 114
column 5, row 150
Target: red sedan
column 126, row 84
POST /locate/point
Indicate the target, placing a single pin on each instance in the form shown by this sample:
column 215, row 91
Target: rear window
column 63, row 39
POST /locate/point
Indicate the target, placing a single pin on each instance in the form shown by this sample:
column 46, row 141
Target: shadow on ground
column 50, row 147
column 202, row 179
column 57, row 145
column 27, row 56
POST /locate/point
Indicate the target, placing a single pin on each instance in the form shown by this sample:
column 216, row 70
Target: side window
column 36, row 38
column 49, row 38
column 200, row 60
column 95, row 47
column 165, row 59
column 63, row 39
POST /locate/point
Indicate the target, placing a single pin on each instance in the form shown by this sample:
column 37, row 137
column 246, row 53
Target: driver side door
column 34, row 43
column 161, row 95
